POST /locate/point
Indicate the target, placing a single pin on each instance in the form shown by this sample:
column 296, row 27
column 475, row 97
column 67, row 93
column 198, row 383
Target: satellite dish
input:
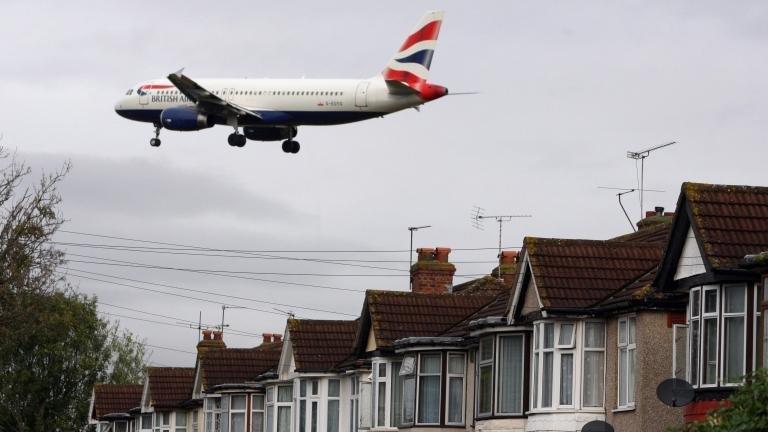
column 675, row 392
column 597, row 426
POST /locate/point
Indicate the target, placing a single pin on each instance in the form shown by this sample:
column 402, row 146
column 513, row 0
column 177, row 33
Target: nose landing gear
column 291, row 146
column 155, row 142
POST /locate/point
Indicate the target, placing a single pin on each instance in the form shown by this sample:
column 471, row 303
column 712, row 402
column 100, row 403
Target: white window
column 566, row 341
column 257, row 413
column 162, row 421
column 717, row 316
column 544, row 358
column 334, row 392
column 627, row 349
column 237, row 409
column 594, row 361
column 302, row 409
column 180, row 418
column 457, row 364
column 354, row 400
column 396, row 402
column 510, row 375
column 213, row 414
column 485, row 376
column 428, row 409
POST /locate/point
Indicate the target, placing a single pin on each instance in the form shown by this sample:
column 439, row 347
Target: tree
column 747, row 411
column 53, row 345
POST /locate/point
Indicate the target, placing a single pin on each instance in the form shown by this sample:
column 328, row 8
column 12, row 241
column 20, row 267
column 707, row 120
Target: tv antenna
column 622, row 192
column 641, row 155
column 223, row 309
column 290, row 313
column 478, row 223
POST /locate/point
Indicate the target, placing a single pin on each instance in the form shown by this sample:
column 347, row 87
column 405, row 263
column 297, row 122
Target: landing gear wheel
column 154, row 142
column 290, row 146
column 236, row 140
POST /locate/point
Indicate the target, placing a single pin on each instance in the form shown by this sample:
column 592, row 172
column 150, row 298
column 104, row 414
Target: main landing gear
column 155, row 142
column 236, row 139
column 291, row 146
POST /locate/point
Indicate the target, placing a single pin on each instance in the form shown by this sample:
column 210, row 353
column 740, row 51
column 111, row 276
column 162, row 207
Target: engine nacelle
column 269, row 133
column 184, row 119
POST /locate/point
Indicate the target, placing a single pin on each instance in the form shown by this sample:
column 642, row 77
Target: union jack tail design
column 411, row 64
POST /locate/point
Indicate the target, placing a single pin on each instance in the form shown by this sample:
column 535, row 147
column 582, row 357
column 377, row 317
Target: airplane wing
column 209, row 101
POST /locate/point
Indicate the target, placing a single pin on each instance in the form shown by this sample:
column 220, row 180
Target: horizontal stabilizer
column 400, row 88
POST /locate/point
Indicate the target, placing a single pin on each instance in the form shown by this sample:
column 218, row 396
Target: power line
column 251, row 251
column 220, row 273
column 201, row 292
column 149, row 321
column 185, row 321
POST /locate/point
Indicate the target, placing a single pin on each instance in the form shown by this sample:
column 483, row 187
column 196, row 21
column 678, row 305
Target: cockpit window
column 129, row 92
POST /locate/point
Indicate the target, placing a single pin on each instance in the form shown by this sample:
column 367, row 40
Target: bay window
column 237, row 408
column 718, row 319
column 257, row 413
column 428, row 411
column 500, row 373
column 627, row 349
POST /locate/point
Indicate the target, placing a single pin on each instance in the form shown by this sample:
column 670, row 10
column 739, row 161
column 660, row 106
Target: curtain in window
column 409, row 399
column 593, row 378
column 510, row 374
column 546, row 376
column 283, row 419
column 455, row 399
column 238, row 422
column 566, row 379
column 622, row 377
column 270, row 419
column 710, row 351
column 429, row 389
column 257, row 422
column 397, row 396
column 333, row 416
column 734, row 350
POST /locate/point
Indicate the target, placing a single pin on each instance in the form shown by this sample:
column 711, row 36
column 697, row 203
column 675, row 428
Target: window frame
column 176, row 426
column 627, row 346
column 354, row 403
column 330, row 398
column 721, row 346
column 242, row 411
column 255, row 409
column 498, row 369
column 485, row 363
column 586, row 349
column 448, row 376
column 419, row 375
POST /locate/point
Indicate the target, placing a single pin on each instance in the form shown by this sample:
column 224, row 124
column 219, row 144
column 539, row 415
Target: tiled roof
column 496, row 308
column 638, row 289
column 115, row 398
column 238, row 365
column 732, row 221
column 396, row 315
column 170, row 386
column 319, row 345
column 486, row 285
column 658, row 232
column 579, row 273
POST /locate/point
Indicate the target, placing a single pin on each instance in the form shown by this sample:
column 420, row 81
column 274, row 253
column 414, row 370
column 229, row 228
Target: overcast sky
column 566, row 88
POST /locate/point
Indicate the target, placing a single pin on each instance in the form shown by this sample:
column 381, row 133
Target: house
column 715, row 228
column 165, row 400
column 112, row 406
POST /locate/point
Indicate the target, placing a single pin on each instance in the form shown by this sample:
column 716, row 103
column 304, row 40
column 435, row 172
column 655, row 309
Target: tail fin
column 411, row 63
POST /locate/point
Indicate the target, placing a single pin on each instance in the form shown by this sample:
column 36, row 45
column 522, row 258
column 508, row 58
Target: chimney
column 508, row 267
column 277, row 337
column 432, row 273
column 211, row 340
column 654, row 217
column 266, row 338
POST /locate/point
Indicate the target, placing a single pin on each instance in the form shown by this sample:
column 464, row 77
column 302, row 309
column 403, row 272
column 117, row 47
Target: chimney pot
column 426, row 254
column 217, row 335
column 659, row 211
column 508, row 257
column 207, row 334
column 441, row 254
column 277, row 337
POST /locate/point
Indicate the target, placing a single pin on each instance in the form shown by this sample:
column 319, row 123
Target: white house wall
column 690, row 262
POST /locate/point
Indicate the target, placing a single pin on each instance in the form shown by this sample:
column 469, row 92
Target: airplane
column 273, row 109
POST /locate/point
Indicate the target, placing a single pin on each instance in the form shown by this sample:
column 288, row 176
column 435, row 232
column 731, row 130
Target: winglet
column 179, row 72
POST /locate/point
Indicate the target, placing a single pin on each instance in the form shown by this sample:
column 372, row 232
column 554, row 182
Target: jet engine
column 269, row 133
column 185, row 119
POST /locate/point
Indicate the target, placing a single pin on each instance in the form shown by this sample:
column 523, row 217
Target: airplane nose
column 119, row 108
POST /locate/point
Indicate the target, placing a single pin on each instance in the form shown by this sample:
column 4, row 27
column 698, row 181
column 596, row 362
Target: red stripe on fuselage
column 428, row 32
column 156, row 86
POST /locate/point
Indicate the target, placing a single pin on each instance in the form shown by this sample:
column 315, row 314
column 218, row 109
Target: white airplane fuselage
column 294, row 102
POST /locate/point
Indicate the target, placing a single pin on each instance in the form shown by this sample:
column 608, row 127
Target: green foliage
column 748, row 411
column 53, row 345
